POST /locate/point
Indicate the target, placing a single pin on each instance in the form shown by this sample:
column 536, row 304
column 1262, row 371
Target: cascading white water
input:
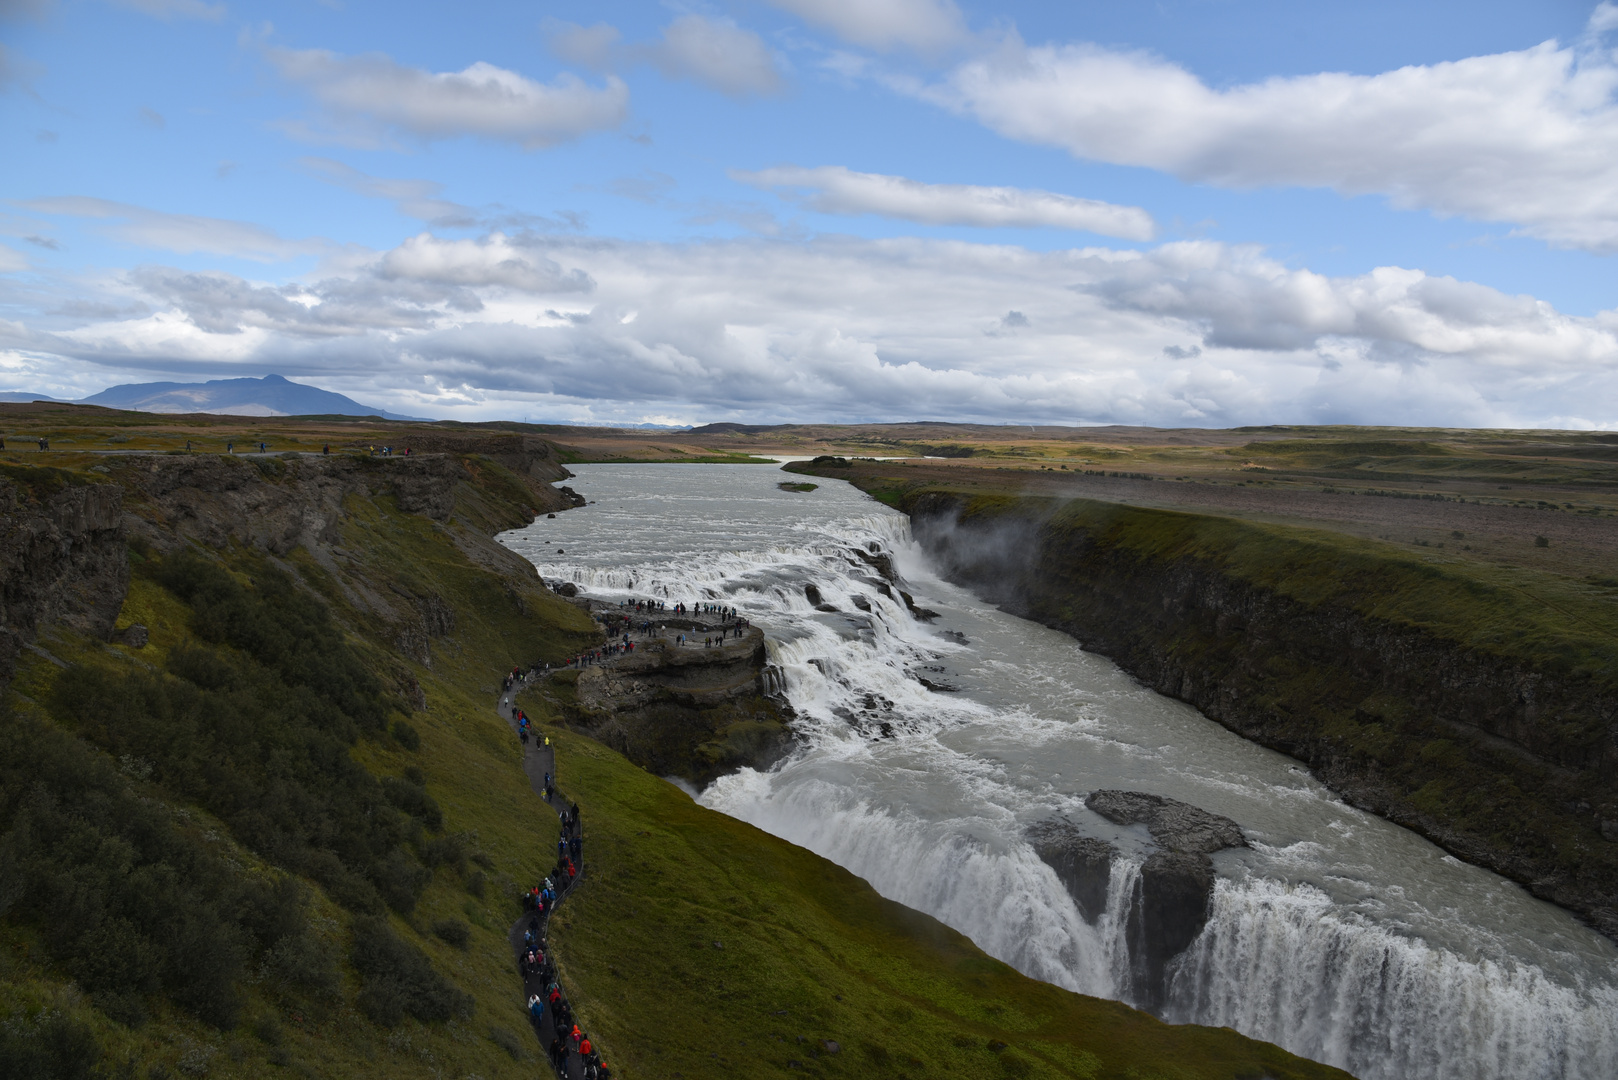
column 1339, row 936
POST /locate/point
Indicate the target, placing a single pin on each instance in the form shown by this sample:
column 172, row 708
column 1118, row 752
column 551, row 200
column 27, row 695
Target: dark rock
column 832, row 1046
column 134, row 636
column 1609, row 831
column 573, row 497
column 938, row 687
column 920, row 613
column 567, row 588
column 955, row 636
column 1169, row 911
column 812, row 591
column 1083, row 863
column 879, row 561
column 862, row 603
column 550, row 515
column 1176, row 825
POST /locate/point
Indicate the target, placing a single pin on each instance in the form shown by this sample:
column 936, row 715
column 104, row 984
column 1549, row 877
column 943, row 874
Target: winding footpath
column 539, row 760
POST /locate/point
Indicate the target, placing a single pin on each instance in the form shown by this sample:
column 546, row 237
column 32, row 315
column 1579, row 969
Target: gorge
column 1329, row 930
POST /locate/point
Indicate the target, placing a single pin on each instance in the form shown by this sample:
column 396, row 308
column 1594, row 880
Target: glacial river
column 1337, row 935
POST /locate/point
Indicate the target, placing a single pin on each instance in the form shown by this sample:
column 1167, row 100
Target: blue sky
column 1203, row 212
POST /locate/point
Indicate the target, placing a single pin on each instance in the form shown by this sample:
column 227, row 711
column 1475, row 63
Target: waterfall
column 1338, row 936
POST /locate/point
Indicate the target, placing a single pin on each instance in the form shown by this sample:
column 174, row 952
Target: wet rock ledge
column 685, row 711
column 1169, row 903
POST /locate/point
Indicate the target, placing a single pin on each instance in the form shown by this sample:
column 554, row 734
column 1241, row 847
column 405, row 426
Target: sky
column 1199, row 213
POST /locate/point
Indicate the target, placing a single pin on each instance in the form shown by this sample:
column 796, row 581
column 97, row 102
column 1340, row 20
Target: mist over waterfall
column 926, row 749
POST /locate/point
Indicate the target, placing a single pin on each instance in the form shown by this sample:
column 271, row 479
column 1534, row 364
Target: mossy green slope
column 494, row 832
column 697, row 945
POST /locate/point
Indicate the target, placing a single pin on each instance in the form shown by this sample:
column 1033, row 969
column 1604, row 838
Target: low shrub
column 452, row 932
column 397, row 979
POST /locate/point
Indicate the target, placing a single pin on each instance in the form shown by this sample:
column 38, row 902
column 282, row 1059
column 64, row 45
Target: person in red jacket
column 584, row 1046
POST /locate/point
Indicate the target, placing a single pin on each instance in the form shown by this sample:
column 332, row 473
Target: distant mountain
column 272, row 395
column 24, row 396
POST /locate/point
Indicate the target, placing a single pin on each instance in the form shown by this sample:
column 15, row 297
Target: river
column 1337, row 935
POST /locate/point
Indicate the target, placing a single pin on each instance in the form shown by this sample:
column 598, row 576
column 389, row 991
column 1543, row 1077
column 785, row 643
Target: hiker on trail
column 262, row 448
column 44, row 443
column 536, row 1008
column 326, row 449
column 561, row 850
column 230, row 448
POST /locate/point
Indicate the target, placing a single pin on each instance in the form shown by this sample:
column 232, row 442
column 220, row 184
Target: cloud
column 366, row 96
column 843, row 329
column 183, row 234
column 717, row 53
column 152, row 118
column 45, row 242
column 836, row 190
column 1529, row 137
column 175, row 9
column 494, row 260
column 927, row 26
column 12, row 260
column 587, row 46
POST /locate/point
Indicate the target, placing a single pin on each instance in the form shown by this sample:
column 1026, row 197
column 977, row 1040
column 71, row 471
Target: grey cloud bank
column 1189, row 333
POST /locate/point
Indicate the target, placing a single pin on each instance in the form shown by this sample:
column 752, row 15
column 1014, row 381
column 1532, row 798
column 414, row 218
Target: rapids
column 1338, row 935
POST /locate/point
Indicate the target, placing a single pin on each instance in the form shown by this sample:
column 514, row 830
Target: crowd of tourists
column 548, row 1009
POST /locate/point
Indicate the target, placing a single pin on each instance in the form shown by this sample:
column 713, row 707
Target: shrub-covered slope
column 284, row 831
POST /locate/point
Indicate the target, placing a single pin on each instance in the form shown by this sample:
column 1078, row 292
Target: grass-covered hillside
column 280, row 838
column 697, row 945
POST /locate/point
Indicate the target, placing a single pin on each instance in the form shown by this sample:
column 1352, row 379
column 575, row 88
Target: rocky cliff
column 1506, row 760
column 66, row 531
column 684, row 711
column 62, row 557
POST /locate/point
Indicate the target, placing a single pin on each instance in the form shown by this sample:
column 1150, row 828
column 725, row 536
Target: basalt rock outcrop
column 1171, row 900
column 1082, row 863
column 1505, row 762
column 1175, row 825
column 693, row 712
column 62, row 558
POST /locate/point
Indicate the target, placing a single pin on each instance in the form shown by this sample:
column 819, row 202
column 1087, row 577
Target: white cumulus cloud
column 833, row 189
column 367, row 94
column 717, row 53
column 923, row 25
column 842, row 329
column 493, row 260
column 1528, row 138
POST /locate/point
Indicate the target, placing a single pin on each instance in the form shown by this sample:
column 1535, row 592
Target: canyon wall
column 1505, row 758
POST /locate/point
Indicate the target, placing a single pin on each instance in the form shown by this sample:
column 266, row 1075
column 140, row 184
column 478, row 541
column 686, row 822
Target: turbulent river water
column 1335, row 934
